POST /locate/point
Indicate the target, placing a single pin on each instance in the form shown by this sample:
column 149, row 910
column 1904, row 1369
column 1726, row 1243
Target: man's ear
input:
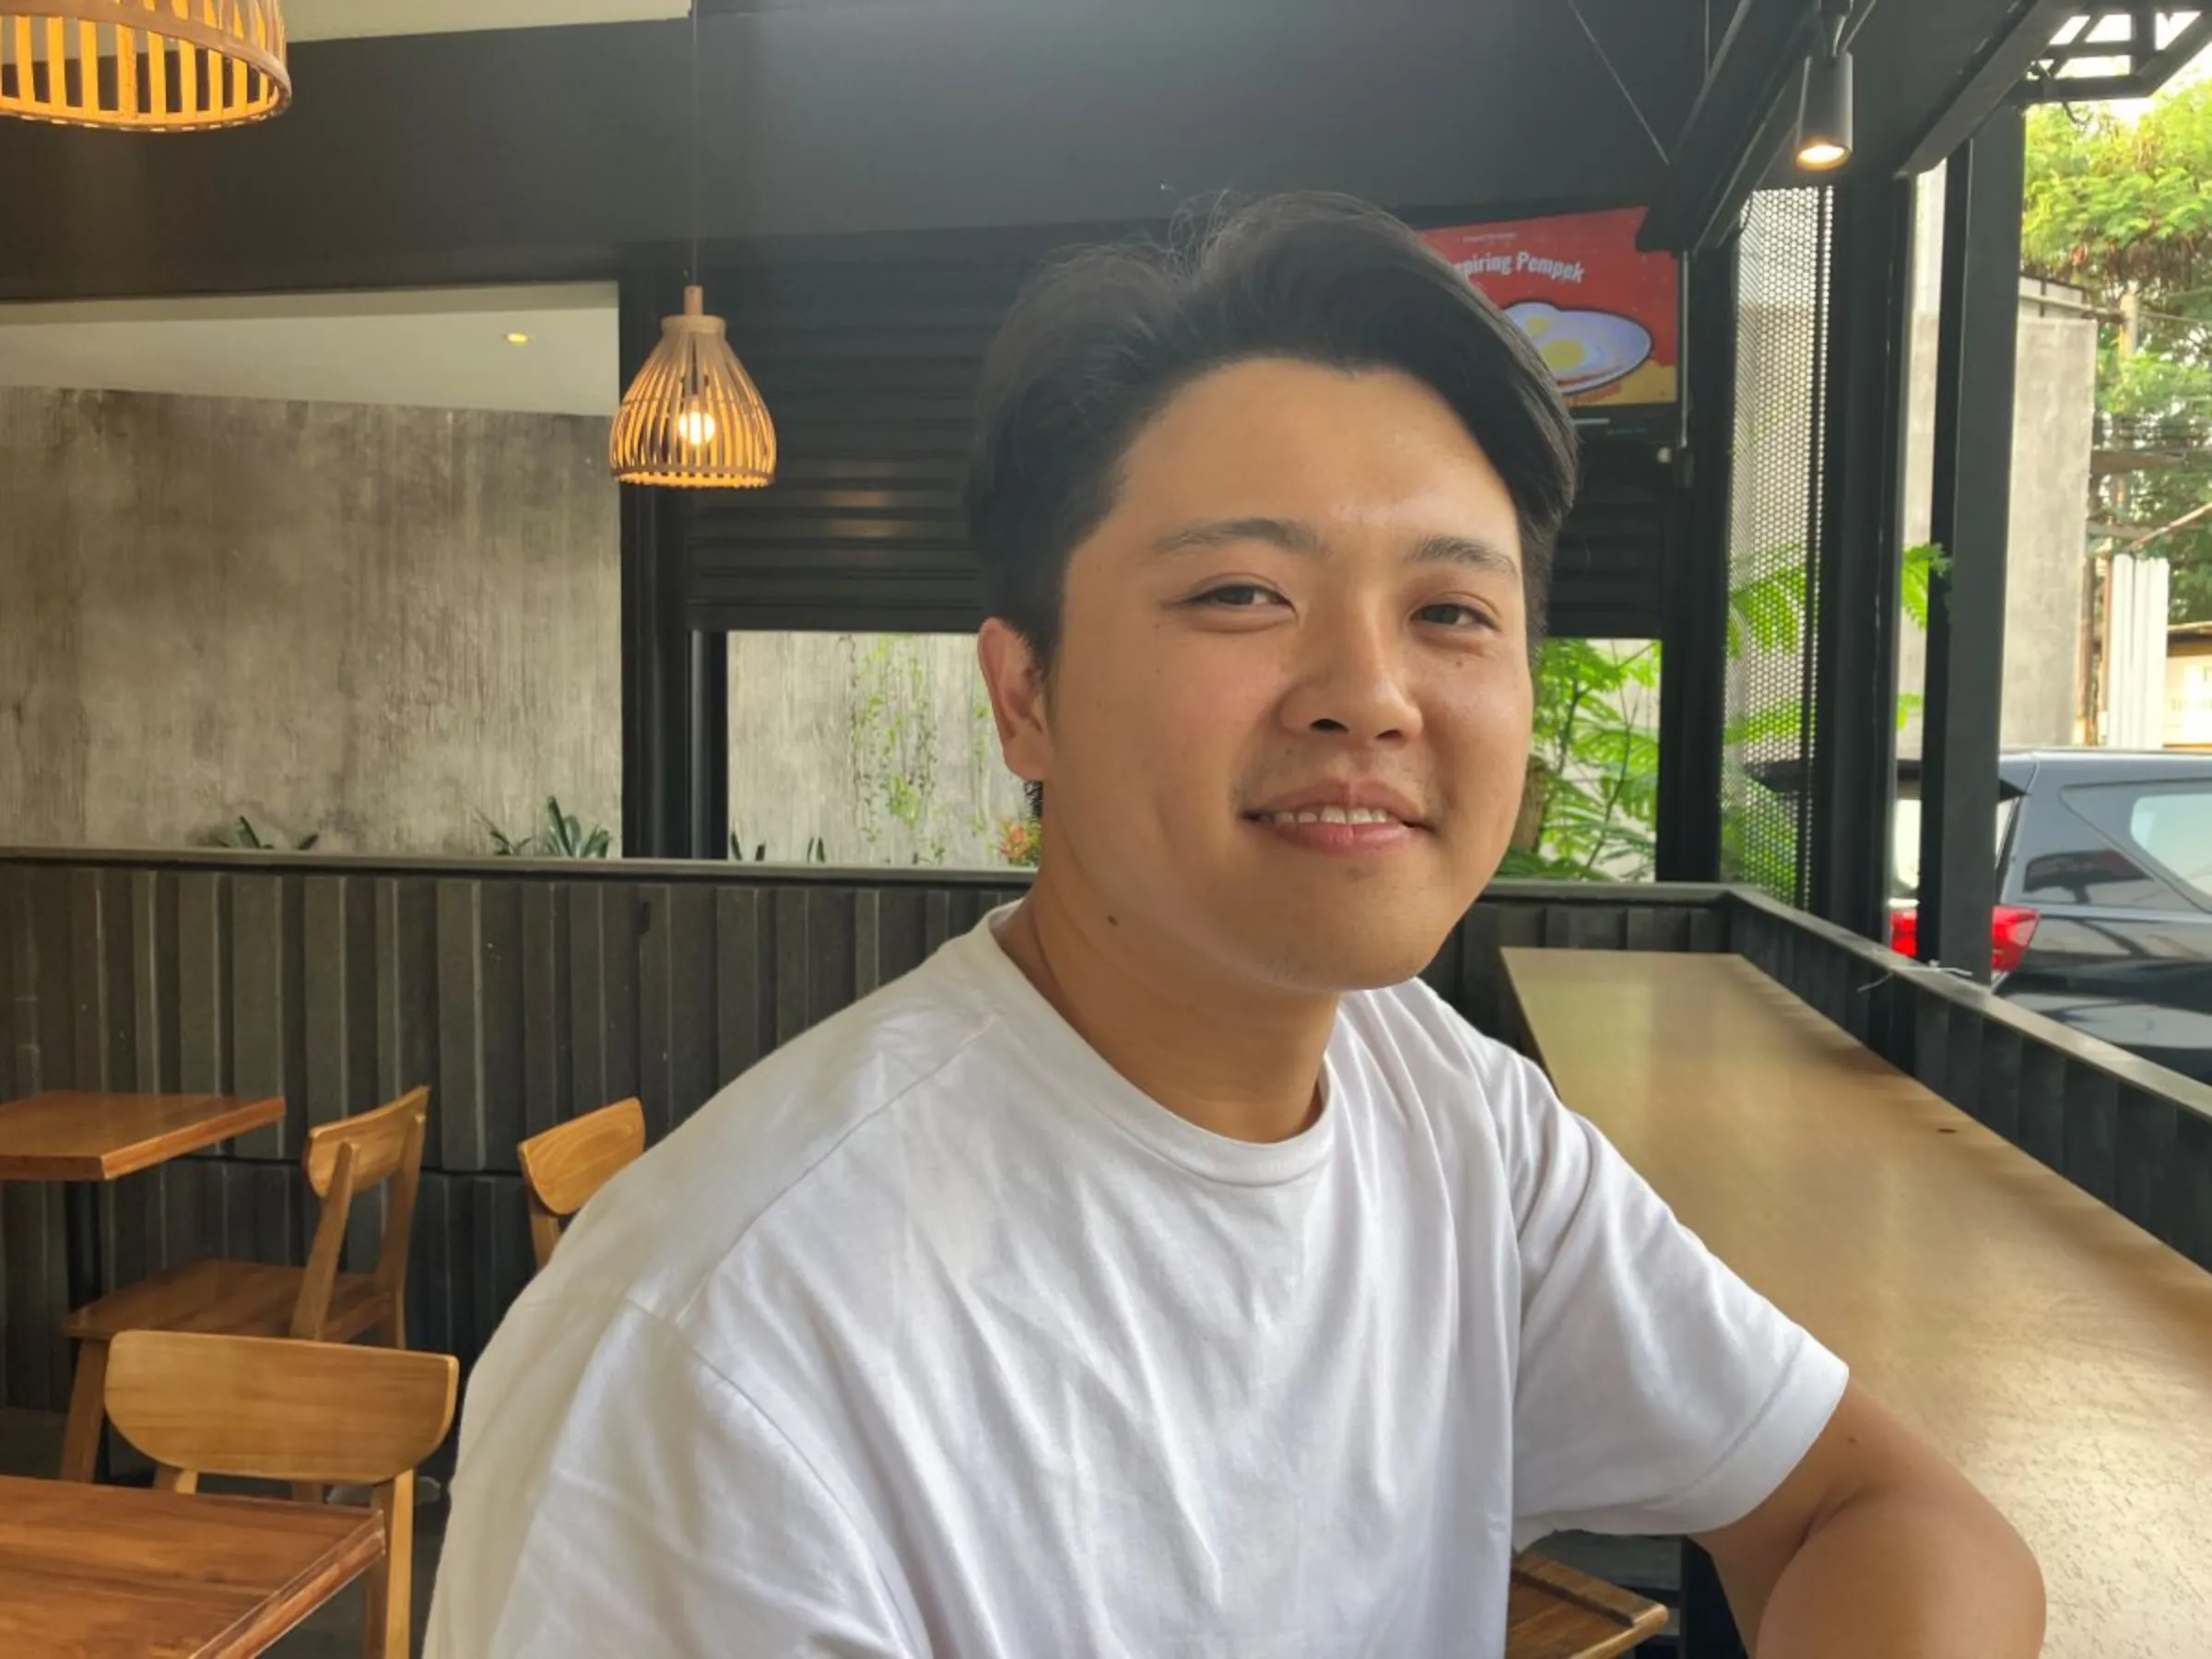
column 1016, row 683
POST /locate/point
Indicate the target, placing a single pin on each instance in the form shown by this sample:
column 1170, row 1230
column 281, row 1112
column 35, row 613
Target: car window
column 2150, row 847
column 2176, row 829
column 1905, row 841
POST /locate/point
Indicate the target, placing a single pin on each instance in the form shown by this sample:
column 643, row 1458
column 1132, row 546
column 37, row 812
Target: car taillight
column 2011, row 931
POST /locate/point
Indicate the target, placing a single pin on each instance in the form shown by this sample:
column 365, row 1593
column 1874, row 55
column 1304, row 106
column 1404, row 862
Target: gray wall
column 2053, row 422
column 372, row 622
column 881, row 745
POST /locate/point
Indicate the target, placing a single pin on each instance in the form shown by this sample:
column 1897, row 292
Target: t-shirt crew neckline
column 1025, row 1013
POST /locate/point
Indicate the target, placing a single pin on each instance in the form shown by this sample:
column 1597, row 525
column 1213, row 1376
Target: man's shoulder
column 799, row 1120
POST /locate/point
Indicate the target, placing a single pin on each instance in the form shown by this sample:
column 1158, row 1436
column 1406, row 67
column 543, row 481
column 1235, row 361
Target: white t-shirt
column 932, row 1336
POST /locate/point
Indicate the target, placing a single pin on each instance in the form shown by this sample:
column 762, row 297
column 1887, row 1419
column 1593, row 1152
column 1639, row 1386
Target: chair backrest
column 564, row 1166
column 311, row 1413
column 344, row 1160
column 275, row 1408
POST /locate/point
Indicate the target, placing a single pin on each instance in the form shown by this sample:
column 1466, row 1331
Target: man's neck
column 1242, row 1061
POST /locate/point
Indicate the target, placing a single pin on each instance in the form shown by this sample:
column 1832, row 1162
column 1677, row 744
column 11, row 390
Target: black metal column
column 1860, row 559
column 1694, row 639
column 675, row 682
column 708, row 682
column 1975, row 369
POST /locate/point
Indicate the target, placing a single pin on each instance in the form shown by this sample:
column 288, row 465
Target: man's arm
column 1875, row 1544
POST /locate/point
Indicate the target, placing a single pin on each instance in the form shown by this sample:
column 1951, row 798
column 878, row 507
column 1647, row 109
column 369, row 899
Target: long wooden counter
column 2056, row 1352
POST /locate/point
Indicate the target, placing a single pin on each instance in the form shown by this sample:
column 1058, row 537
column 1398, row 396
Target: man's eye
column 1238, row 595
column 1451, row 614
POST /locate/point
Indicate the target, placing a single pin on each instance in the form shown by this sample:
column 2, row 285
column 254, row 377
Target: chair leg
column 88, row 1410
column 391, row 1580
column 392, row 1330
column 307, row 1491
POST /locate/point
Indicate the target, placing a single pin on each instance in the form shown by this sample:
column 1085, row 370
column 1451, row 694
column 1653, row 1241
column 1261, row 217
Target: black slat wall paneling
column 524, row 995
column 872, row 367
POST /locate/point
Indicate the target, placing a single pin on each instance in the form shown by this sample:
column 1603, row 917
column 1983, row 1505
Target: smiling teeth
column 1331, row 815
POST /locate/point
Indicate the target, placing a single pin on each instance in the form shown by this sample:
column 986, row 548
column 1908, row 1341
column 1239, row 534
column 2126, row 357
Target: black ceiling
column 548, row 152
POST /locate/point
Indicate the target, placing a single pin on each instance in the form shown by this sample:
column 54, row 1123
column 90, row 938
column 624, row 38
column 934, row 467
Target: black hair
column 1101, row 341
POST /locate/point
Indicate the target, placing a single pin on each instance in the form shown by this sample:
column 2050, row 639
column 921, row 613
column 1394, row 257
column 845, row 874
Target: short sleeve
column 618, row 1496
column 1655, row 1391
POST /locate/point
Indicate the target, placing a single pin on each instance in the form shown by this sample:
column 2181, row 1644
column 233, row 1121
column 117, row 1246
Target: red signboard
column 1604, row 314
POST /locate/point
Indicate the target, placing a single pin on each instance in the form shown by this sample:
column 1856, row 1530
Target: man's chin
column 1348, row 956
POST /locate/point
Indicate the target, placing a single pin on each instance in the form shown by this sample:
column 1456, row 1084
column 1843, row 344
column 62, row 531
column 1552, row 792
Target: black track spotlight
column 1824, row 120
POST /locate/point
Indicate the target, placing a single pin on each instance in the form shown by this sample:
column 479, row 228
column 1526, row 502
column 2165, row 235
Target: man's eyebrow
column 1292, row 535
column 1467, row 551
column 1207, row 533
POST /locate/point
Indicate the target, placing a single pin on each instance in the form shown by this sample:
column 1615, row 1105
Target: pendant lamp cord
column 696, row 142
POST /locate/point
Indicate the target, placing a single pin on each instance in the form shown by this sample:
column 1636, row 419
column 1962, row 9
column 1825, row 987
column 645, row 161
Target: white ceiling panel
column 351, row 19
column 441, row 348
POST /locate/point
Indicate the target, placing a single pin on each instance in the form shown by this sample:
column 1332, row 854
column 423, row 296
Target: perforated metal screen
column 1774, row 529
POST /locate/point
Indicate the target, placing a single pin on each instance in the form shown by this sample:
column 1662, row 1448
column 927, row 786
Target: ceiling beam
column 2150, row 66
column 1994, row 76
column 1735, row 128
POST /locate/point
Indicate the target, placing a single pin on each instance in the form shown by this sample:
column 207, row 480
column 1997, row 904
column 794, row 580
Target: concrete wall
column 2053, row 422
column 370, row 622
column 881, row 745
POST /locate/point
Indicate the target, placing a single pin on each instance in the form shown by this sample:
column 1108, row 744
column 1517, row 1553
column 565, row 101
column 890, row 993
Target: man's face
column 1288, row 727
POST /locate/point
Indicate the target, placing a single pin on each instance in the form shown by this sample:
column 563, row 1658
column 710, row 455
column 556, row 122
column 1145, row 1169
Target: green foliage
column 242, row 837
column 1923, row 565
column 1766, row 607
column 2111, row 202
column 559, row 835
column 1596, row 769
column 894, row 748
column 2123, row 210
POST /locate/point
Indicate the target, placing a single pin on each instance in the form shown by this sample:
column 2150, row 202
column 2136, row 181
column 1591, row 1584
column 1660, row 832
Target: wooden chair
column 269, row 1408
column 564, row 1166
column 250, row 1298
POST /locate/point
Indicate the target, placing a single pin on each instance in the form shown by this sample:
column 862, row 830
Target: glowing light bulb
column 518, row 339
column 1822, row 154
column 696, row 427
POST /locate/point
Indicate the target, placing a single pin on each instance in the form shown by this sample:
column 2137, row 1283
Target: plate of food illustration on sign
column 1605, row 315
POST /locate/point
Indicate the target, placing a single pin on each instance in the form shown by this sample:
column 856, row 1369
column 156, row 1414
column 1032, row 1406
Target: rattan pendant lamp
column 692, row 419
column 143, row 65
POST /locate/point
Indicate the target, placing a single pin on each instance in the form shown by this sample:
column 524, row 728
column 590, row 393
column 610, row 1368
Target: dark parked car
column 2104, row 893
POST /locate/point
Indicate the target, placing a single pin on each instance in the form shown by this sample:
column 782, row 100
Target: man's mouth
column 1329, row 815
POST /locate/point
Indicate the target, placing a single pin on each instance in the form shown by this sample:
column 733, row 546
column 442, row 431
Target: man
column 1162, row 1269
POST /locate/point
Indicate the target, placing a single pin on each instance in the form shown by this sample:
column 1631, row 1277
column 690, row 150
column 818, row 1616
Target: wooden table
column 112, row 1572
column 2059, row 1355
column 82, row 1138
column 1554, row 1612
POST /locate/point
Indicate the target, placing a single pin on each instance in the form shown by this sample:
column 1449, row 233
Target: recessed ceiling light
column 518, row 339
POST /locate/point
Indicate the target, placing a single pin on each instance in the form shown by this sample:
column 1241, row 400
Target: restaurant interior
column 415, row 414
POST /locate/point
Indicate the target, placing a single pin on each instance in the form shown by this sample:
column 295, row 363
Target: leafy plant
column 242, row 836
column 1593, row 774
column 559, row 835
column 894, row 746
column 2119, row 208
column 1594, row 782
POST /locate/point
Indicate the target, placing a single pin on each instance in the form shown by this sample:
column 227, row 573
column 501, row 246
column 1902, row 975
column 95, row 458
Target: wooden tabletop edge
column 347, row 1558
column 1592, row 1594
